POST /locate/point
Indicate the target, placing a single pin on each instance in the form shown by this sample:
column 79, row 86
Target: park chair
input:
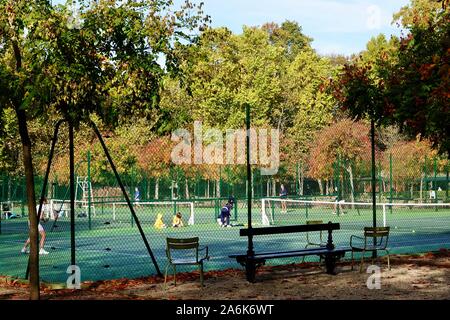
column 185, row 252
column 6, row 211
column 314, row 241
column 375, row 239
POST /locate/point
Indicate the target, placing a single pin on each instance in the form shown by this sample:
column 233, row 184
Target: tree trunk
column 172, row 192
column 33, row 260
column 320, row 186
column 301, row 181
column 31, row 201
column 218, row 188
column 186, row 188
column 352, row 186
column 421, row 188
column 274, row 187
column 253, row 188
column 268, row 188
column 157, row 189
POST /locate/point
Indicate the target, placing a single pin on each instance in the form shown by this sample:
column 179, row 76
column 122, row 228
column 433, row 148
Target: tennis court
column 109, row 246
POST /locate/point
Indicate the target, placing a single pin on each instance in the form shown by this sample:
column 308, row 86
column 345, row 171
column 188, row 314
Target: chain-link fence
column 412, row 198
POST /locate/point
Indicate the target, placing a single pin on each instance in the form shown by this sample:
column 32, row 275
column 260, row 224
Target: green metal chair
column 316, row 242
column 184, row 251
column 375, row 239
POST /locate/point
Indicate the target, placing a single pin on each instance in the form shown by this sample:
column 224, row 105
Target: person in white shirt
column 45, row 208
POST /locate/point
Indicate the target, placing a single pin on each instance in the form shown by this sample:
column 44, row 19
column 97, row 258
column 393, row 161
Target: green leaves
column 405, row 82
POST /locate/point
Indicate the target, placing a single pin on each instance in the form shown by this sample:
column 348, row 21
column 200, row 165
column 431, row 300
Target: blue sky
column 337, row 26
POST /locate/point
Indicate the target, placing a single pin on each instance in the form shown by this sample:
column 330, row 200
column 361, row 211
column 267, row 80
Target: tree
column 307, row 108
column 289, row 36
column 418, row 86
column 345, row 140
column 405, row 82
column 408, row 163
column 418, row 13
column 154, row 160
column 229, row 70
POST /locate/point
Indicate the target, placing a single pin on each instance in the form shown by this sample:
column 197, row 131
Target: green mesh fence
column 108, row 244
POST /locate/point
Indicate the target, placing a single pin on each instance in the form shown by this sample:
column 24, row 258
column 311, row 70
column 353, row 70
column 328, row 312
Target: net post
column 384, row 214
column 192, row 217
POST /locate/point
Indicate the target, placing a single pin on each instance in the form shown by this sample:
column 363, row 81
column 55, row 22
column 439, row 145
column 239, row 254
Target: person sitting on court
column 225, row 214
column 159, row 224
column 177, row 222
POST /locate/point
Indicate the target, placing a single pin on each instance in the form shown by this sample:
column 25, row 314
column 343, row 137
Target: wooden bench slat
column 289, row 229
column 293, row 253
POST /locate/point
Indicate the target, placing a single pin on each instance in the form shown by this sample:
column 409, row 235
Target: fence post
column 425, row 173
column 446, row 185
column 390, row 182
column 89, row 187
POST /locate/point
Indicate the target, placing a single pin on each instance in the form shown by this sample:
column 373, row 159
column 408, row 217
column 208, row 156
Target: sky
column 336, row 26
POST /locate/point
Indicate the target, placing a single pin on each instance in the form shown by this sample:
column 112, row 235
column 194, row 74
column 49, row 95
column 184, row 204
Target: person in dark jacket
column 225, row 214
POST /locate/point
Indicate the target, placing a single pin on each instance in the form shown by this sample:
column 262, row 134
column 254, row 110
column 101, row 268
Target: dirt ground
column 416, row 277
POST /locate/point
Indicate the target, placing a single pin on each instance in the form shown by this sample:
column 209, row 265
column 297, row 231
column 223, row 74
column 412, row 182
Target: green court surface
column 113, row 248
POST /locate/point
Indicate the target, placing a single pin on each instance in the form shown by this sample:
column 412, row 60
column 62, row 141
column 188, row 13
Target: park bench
column 330, row 252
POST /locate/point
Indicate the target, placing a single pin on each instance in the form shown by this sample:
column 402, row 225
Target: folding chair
column 317, row 242
column 375, row 239
column 184, row 251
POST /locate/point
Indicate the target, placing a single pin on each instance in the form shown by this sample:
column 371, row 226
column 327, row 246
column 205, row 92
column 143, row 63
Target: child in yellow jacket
column 159, row 224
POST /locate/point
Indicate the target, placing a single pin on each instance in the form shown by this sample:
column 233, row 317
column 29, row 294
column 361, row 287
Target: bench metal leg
column 201, row 273
column 165, row 275
column 352, row 259
column 250, row 269
column 389, row 264
column 330, row 263
column 362, row 261
column 175, row 274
